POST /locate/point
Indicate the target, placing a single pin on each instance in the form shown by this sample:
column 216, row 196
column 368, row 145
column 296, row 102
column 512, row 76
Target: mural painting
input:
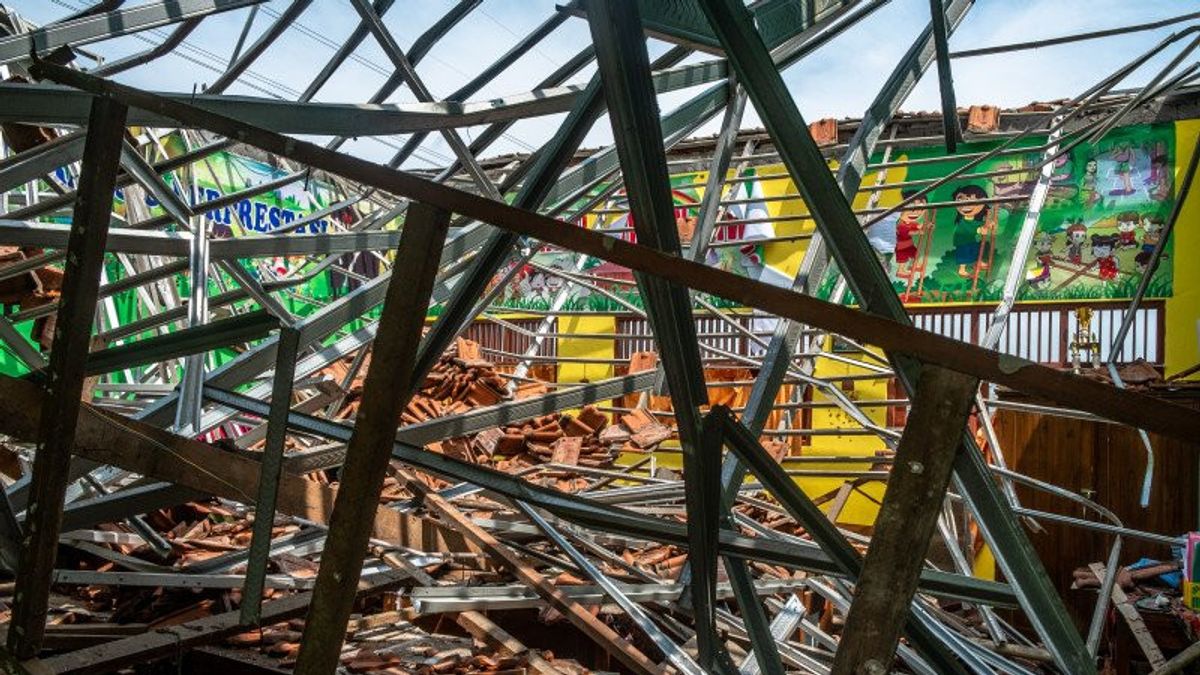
column 1106, row 208
column 737, row 246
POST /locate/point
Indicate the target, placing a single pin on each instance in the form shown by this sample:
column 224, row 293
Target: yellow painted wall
column 786, row 255
column 591, row 348
column 1183, row 307
column 859, row 509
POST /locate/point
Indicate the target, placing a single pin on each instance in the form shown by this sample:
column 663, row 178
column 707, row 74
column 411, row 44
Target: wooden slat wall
column 1109, row 460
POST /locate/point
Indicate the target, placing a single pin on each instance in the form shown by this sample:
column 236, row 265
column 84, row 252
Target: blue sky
column 839, row 80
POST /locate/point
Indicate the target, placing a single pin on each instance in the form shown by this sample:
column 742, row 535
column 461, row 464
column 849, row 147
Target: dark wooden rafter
column 270, row 473
column 107, row 438
column 912, row 504
column 65, row 374
column 389, row 384
column 1081, row 393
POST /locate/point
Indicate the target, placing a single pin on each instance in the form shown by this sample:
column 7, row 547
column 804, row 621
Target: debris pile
column 1150, row 600
column 461, row 381
column 386, row 644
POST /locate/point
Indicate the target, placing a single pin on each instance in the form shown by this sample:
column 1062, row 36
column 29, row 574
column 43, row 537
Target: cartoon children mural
column 971, row 226
column 1152, row 227
column 1076, row 238
column 1095, row 224
column 1099, row 225
column 1127, row 223
column 1103, row 247
column 1124, row 156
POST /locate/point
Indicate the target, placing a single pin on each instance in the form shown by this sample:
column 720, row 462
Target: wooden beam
column 270, row 471
column 65, row 374
column 576, row 613
column 1180, row 661
column 906, row 521
column 1133, row 408
column 1133, row 619
column 390, row 382
column 495, row 637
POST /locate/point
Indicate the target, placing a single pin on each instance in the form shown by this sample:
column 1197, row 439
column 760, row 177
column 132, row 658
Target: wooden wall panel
column 1106, row 461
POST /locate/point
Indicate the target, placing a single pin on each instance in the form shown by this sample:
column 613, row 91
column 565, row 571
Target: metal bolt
column 916, row 467
column 873, row 667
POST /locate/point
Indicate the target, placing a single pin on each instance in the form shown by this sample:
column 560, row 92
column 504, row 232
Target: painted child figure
column 1127, row 223
column 1043, row 246
column 1123, row 155
column 1088, row 187
column 1159, row 182
column 882, row 237
column 970, row 224
column 1103, row 246
column 1076, row 238
column 907, row 227
column 1152, row 227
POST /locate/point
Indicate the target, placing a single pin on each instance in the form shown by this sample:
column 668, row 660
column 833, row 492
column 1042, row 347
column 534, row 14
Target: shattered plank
column 1133, row 619
column 502, row 641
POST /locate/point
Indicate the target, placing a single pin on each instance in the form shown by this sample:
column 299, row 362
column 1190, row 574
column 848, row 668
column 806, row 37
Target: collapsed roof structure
column 313, row 376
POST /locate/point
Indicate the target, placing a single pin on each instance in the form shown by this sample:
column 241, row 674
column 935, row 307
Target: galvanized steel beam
column 112, row 24
column 632, row 107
